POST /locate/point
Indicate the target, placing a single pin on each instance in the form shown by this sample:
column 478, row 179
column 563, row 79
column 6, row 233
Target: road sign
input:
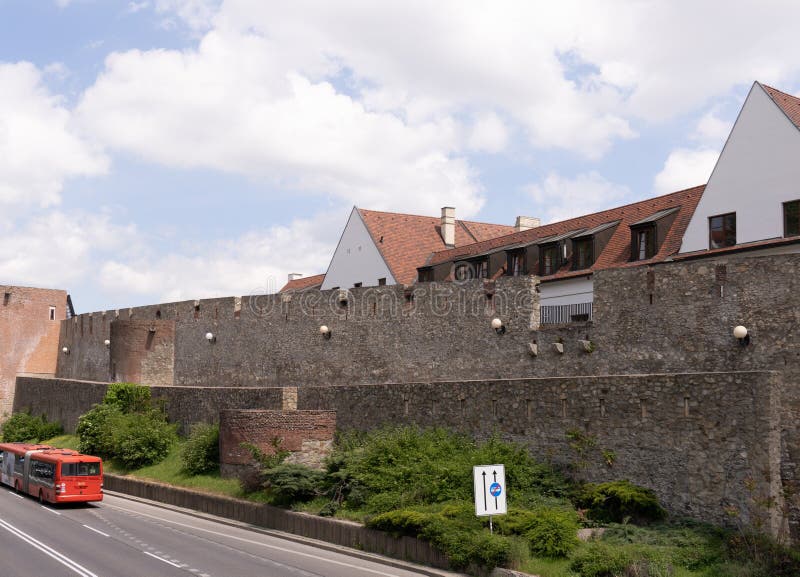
column 490, row 489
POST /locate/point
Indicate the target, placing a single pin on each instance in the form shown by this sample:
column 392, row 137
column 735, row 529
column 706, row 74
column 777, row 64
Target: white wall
column 356, row 258
column 758, row 170
column 566, row 292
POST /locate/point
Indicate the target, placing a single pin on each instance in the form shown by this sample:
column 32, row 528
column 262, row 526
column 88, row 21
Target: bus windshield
column 80, row 469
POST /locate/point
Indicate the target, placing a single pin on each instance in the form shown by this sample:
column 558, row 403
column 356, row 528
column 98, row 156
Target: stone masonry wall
column 307, row 434
column 28, row 338
column 696, row 439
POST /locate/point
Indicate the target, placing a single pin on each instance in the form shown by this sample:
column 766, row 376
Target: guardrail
column 562, row 314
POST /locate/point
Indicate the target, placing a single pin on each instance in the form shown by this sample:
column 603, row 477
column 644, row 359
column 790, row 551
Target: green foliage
column 126, row 428
column 549, row 531
column 128, row 397
column 200, row 452
column 24, row 427
column 601, row 560
column 616, row 500
column 289, row 483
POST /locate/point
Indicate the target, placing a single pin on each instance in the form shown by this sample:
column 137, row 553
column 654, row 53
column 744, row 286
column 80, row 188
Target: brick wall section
column 309, row 433
column 28, row 338
column 142, row 351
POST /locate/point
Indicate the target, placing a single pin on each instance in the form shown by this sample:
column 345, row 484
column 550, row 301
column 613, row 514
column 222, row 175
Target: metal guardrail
column 563, row 314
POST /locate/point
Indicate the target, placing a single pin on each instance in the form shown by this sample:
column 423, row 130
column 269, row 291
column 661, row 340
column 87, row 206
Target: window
column 42, row 471
column 482, row 268
column 791, row 218
column 582, row 253
column 80, row 469
column 516, row 263
column 382, row 281
column 644, row 243
column 722, row 230
column 425, row 275
column 463, row 271
column 357, row 285
column 549, row 259
column 52, row 313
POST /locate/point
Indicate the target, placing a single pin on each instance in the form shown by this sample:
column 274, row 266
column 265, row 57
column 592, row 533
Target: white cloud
column 712, row 130
column 197, row 14
column 489, row 134
column 38, row 148
column 559, row 198
column 255, row 262
column 685, row 168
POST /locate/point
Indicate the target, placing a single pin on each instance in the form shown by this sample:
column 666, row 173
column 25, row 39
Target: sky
column 162, row 150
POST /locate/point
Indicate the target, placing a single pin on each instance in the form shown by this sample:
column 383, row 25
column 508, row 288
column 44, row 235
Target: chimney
column 449, row 226
column 295, row 276
column 526, row 223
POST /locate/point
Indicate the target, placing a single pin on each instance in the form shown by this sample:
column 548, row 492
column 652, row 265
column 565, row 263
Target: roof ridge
column 437, row 218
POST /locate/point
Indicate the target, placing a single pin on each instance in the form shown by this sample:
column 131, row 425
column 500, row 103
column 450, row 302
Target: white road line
column 18, row 496
column 161, row 559
column 49, row 509
column 49, row 551
column 251, row 542
column 97, row 531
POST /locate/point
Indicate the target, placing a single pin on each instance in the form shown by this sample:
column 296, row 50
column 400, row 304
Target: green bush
column 23, row 427
column 616, row 500
column 124, row 427
column 289, row 483
column 143, row 439
column 401, row 522
column 598, row 559
column 549, row 531
column 200, row 453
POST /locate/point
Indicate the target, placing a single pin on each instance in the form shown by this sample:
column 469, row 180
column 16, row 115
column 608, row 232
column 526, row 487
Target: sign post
column 490, row 491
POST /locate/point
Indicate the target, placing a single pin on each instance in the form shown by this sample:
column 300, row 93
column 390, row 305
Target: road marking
column 49, row 509
column 97, row 531
column 18, row 496
column 251, row 542
column 161, row 559
column 49, row 551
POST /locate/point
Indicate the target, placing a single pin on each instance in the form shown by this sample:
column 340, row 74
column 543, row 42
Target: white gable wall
column 356, row 258
column 566, row 292
column 758, row 170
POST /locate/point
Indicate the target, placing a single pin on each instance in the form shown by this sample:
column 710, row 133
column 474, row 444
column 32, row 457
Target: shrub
column 96, row 428
column 616, row 500
column 128, row 397
column 400, row 522
column 143, row 439
column 600, row 560
column 22, row 427
column 200, row 453
column 554, row 532
column 289, row 483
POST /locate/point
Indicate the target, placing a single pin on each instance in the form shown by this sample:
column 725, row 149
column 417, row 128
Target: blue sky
column 163, row 150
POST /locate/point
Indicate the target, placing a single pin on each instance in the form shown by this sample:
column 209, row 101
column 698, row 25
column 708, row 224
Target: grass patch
column 63, row 442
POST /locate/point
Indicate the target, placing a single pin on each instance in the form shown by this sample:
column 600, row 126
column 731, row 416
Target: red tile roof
column 788, row 103
column 616, row 253
column 303, row 283
column 406, row 240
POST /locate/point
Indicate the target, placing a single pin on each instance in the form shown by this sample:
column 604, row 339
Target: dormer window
column 482, row 268
column 425, row 275
column 648, row 234
column 587, row 245
column 516, row 262
column 549, row 258
column 582, row 253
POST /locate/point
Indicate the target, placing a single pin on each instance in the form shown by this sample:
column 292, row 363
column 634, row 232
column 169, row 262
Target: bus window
column 43, row 471
column 80, row 469
column 19, row 464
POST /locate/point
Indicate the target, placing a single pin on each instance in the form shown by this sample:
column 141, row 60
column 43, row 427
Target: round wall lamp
column 211, row 337
column 742, row 335
column 498, row 326
column 65, row 350
column 325, row 331
column 107, row 343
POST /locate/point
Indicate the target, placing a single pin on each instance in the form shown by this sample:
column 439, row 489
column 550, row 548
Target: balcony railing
column 562, row 314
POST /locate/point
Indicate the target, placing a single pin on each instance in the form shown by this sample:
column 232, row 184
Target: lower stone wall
column 697, row 439
column 65, row 400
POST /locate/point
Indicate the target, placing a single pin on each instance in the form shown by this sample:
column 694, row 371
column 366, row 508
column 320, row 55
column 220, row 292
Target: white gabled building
column 753, row 194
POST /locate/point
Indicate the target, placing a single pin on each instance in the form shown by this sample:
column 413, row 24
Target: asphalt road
column 124, row 538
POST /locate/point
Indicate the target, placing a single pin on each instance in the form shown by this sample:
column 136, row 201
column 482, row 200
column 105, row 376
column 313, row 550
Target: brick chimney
column 525, row 223
column 295, row 276
column 449, row 226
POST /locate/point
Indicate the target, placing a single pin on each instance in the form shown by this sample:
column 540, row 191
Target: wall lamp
column 107, row 343
column 211, row 337
column 498, row 326
column 742, row 335
column 65, row 350
column 325, row 331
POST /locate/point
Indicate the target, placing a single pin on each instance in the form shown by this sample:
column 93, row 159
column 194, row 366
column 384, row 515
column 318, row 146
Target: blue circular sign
column 495, row 489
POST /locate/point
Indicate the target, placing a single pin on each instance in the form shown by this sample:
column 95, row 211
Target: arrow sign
column 490, row 496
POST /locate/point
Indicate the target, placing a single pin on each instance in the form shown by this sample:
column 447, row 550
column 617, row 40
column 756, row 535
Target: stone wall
column 308, row 435
column 696, row 439
column 28, row 338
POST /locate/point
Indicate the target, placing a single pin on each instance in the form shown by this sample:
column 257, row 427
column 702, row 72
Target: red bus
column 51, row 475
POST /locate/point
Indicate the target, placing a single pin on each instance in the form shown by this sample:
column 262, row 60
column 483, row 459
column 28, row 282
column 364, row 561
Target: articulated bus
column 51, row 475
